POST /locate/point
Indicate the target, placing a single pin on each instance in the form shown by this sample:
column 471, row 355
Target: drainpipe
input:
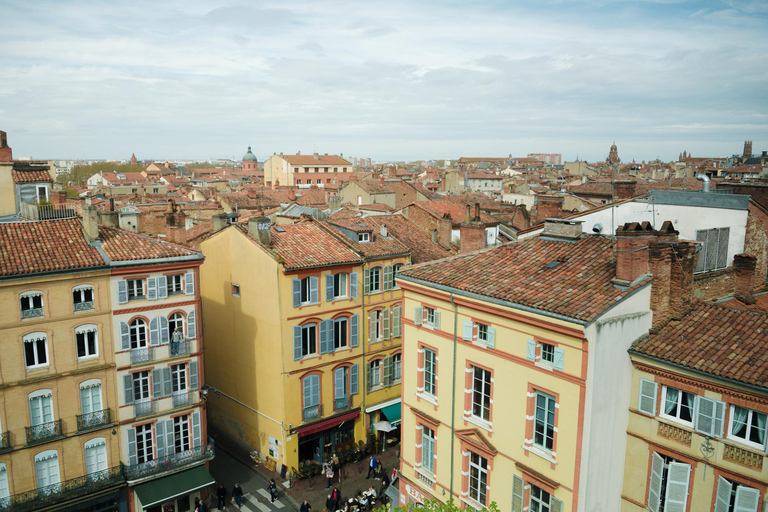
column 363, row 340
column 705, row 181
column 453, row 392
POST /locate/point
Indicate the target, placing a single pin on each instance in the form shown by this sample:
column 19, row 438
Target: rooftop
column 310, row 160
column 407, row 233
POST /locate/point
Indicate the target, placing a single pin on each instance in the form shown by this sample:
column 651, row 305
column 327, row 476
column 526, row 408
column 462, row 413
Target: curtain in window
column 760, row 427
column 671, row 403
column 739, row 419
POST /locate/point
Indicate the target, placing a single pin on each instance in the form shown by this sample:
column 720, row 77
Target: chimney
column 632, row 240
column 109, row 218
column 562, row 229
column 175, row 224
column 259, row 229
column 468, row 215
column 671, row 264
column 548, row 207
column 6, row 154
column 383, row 230
column 58, row 197
column 317, row 157
column 624, row 189
column 744, row 277
column 219, row 222
column 90, row 222
column 476, row 218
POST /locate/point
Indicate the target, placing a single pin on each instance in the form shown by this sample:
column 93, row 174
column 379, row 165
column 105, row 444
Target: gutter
column 175, row 259
column 453, row 392
column 53, row 273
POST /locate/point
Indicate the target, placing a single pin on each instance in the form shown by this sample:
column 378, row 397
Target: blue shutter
column 314, row 284
column 133, row 457
column 125, row 336
column 191, row 326
column 189, row 283
column 353, row 285
column 157, row 383
column 338, row 383
column 193, row 378
column 167, row 385
column 196, row 432
column 296, row 293
column 154, row 332
column 353, row 379
column 353, row 330
column 329, row 295
column 296, row 343
column 164, row 336
column 491, row 342
column 530, row 353
column 559, row 358
column 468, row 328
column 326, row 333
column 160, row 439
column 128, row 388
column 152, row 288
column 307, row 391
column 162, row 287
column 122, row 296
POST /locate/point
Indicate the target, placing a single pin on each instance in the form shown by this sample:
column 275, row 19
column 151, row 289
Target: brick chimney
column 744, row 277
column 175, row 224
column 548, row 207
column 671, row 264
column 624, row 189
column 562, row 229
column 632, row 240
column 6, row 155
column 90, row 222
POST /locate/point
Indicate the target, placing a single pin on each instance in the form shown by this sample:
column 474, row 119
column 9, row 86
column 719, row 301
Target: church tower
column 250, row 162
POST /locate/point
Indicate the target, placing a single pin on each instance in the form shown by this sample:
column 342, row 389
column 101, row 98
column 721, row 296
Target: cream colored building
column 304, row 170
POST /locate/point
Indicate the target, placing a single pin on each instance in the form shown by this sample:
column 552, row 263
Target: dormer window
column 31, row 304
column 363, row 237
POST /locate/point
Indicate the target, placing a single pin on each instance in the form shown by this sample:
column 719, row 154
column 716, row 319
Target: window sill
column 480, row 423
column 677, row 421
column 38, row 367
column 743, row 443
column 472, row 503
column 85, row 359
column 480, row 344
column 426, row 474
column 541, row 453
column 428, row 398
column 544, row 366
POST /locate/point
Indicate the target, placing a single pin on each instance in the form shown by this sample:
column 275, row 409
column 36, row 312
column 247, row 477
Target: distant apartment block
column 548, row 158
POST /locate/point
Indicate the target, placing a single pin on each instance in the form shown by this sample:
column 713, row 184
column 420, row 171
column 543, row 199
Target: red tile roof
column 310, row 160
column 456, row 211
column 378, row 247
column 716, row 340
column 122, row 245
column 31, row 176
column 578, row 287
column 407, row 233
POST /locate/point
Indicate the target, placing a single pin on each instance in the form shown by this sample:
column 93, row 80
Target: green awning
column 392, row 412
column 179, row 484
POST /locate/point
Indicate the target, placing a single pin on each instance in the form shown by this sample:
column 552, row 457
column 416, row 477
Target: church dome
column 249, row 156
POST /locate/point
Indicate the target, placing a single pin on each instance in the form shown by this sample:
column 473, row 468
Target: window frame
column 433, row 381
column 751, row 415
column 81, row 290
column 342, row 320
column 182, row 429
column 543, row 507
column 677, row 419
column 173, row 319
column 305, row 341
column 146, row 433
column 375, row 367
column 84, row 330
column 35, row 339
column 132, row 287
column 374, row 272
column 482, row 478
column 363, row 238
column 137, row 329
column 29, row 296
column 547, row 353
column 397, row 367
column 431, row 458
column 42, row 395
column 141, row 380
column 171, row 285
column 179, row 378
column 546, row 425
column 485, row 399
column 338, row 287
column 395, row 268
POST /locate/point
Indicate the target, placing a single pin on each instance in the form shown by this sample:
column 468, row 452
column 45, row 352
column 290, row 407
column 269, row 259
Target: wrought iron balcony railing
column 94, row 419
column 170, row 462
column 183, row 399
column 143, row 408
column 339, row 404
column 312, row 412
column 43, row 432
column 180, row 349
column 31, row 313
column 84, row 306
column 142, row 355
column 5, row 441
column 66, row 490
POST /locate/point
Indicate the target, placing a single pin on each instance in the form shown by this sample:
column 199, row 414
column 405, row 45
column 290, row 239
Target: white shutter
column 366, row 282
column 164, row 335
column 418, row 315
column 437, row 320
column 196, row 432
column 125, row 336
column 646, row 403
column 396, row 325
column 372, row 327
column 530, row 353
column 654, row 490
column 706, row 416
column 678, row 475
column 191, row 326
column 162, row 287
column 122, row 292
column 193, row 377
column 517, row 494
column 468, row 328
column 152, row 288
column 189, row 283
column 559, row 362
column 170, row 439
column 747, row 499
column 385, row 324
column 133, row 457
column 724, row 488
column 157, row 383
column 154, row 331
column 160, row 439
column 338, row 383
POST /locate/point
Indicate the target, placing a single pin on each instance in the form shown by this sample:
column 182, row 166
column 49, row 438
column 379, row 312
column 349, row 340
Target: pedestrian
column 176, row 339
column 237, row 495
column 272, row 490
column 379, row 468
column 335, row 498
column 221, row 494
column 328, row 476
column 198, row 507
column 371, row 467
column 305, row 507
column 335, row 462
column 328, row 504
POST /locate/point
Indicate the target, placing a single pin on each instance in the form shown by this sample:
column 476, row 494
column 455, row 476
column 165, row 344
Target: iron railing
column 66, row 490
column 142, row 355
column 5, row 441
column 312, row 412
column 143, row 408
column 43, row 432
column 183, row 399
column 182, row 348
column 31, row 312
column 94, row 419
column 171, row 462
column 339, row 404
column 84, row 306
column 47, row 211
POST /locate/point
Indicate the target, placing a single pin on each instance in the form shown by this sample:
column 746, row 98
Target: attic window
column 553, row 264
column 279, row 229
column 363, row 237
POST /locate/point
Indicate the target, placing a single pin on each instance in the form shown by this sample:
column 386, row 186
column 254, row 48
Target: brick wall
column 756, row 244
column 713, row 285
column 428, row 224
column 472, row 237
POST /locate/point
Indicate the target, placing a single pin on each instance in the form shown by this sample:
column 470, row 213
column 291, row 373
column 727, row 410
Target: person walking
column 379, row 468
column 221, row 494
column 371, row 467
column 335, row 498
column 328, row 476
column 305, row 507
column 237, row 495
column 328, row 504
column 272, row 490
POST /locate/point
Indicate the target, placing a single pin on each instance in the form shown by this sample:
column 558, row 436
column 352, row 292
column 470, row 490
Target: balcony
column 5, row 442
column 142, row 355
column 143, row 408
column 171, row 462
column 48, row 211
column 675, row 433
column 43, row 432
column 339, row 404
column 183, row 399
column 180, row 349
column 84, row 306
column 742, row 456
column 93, row 420
column 64, row 491
column 31, row 313
column 312, row 412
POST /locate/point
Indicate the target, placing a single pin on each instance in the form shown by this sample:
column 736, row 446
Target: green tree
column 80, row 173
column 436, row 506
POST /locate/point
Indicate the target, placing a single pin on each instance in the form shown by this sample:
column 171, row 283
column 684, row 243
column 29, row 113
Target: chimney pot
column 259, row 228
column 562, row 229
column 219, row 222
column 744, row 277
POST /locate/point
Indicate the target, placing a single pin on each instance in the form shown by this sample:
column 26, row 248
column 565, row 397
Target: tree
column 436, row 506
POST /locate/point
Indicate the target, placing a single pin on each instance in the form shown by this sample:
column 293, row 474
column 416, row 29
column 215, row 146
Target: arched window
column 176, row 320
column 138, row 333
column 36, row 350
column 41, row 407
column 31, row 304
column 47, row 472
column 96, row 459
column 87, row 341
column 82, row 297
column 91, row 404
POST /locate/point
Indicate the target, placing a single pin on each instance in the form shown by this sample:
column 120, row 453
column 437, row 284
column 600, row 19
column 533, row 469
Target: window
column 42, row 193
column 363, row 237
column 96, row 459
column 428, row 449
column 305, row 291
column 375, row 279
column 548, row 353
column 298, row 182
column 175, row 284
column 733, row 496
column 430, row 371
column 138, row 333
column 542, row 501
column 36, row 350
column 85, row 337
column 5, row 495
column 236, row 290
column 748, row 426
column 340, row 285
column 90, row 396
column 340, row 333
column 478, row 477
column 544, row 421
column 47, row 472
column 378, row 328
column 144, row 451
column 31, row 304
column 181, row 433
column 311, row 397
column 481, row 394
column 179, row 378
column 677, row 405
column 308, row 340
column 141, row 386
column 397, row 321
column 41, row 407
column 82, row 298
column 396, row 367
column 396, row 269
column 374, row 374
column 668, row 487
column 714, row 252
column 431, row 317
column 176, row 321
column 135, row 289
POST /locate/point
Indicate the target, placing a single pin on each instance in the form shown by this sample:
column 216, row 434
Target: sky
column 393, row 80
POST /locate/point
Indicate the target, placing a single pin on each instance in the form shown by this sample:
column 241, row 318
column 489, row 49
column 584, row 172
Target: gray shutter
column 133, row 457
column 397, row 322
column 654, row 490
column 517, row 493
column 719, row 418
column 193, row 379
column 164, row 335
column 296, row 293
column 122, row 295
column 314, row 295
column 307, row 391
column 418, row 315
column 326, row 332
column 353, row 379
column 646, row 403
column 128, row 388
column 191, row 326
column 366, row 282
column 296, row 343
column 315, row 389
column 385, row 324
column 162, row 287
column 353, row 285
column 197, row 434
column 160, row 439
column 559, row 362
column 338, row 383
column 125, row 336
column 372, row 327
column 723, row 500
column 530, row 352
column 722, row 251
column 468, row 328
column 747, row 499
column 170, row 439
column 189, row 283
column 368, row 385
column 152, row 288
column 388, row 277
column 701, row 263
column 157, row 383
column 387, row 378
column 704, row 420
column 353, row 334
column 437, row 320
column 678, row 475
column 555, row 505
column 491, row 342
column 329, row 295
column 154, row 331
column 167, row 382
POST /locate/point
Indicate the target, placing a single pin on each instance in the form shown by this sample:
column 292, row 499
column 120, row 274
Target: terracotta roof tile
column 407, row 233
column 309, row 160
column 456, row 211
column 31, row 176
column 378, row 247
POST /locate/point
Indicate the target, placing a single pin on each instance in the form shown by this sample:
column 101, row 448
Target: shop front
column 173, row 493
column 319, row 441
column 385, row 420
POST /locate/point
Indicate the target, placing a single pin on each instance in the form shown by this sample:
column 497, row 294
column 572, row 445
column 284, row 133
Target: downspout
column 453, row 392
column 363, row 340
column 705, row 182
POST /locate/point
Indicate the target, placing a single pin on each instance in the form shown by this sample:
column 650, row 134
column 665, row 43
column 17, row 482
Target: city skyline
column 395, row 81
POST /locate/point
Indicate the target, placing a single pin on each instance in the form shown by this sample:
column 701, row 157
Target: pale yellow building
column 304, row 170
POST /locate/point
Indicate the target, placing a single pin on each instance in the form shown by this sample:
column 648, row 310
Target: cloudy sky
column 390, row 80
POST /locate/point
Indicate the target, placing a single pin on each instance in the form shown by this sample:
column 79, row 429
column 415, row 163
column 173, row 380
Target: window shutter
column 372, row 327
column 329, row 295
column 654, row 491
column 122, row 292
column 705, row 415
column 353, row 379
column 418, row 315
column 125, row 336
column 719, row 418
column 326, row 331
column 315, row 389
column 160, row 439
column 646, row 403
column 387, row 277
column 314, row 284
column 353, row 285
column 468, row 328
column 437, row 320
column 154, row 332
column 530, row 353
column 167, row 383
column 747, row 499
column 193, row 378
column 157, row 383
column 164, row 335
column 189, row 283
column 296, row 293
column 366, row 282
column 517, row 494
column 387, row 379
column 152, row 288
column 722, row 251
column 677, row 487
column 723, row 501
column 162, row 287
column 192, row 326
column 128, row 388
column 701, row 263
column 385, row 324
column 368, row 385
column 296, row 343
column 559, row 358
column 133, row 457
column 170, row 441
column 307, row 391
column 196, row 432
column 397, row 321
column 555, row 505
column 338, row 383
column 353, row 330
column 492, row 341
